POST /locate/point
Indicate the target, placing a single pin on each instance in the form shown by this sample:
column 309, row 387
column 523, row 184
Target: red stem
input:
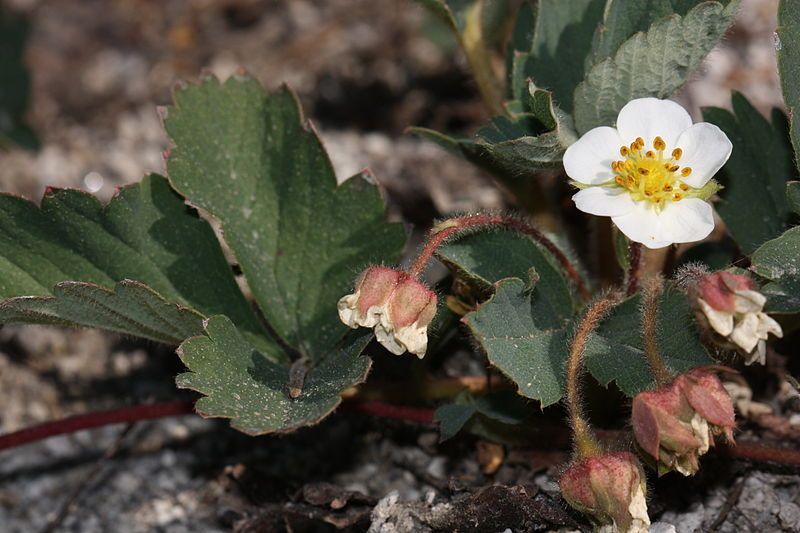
column 452, row 226
column 93, row 420
column 743, row 450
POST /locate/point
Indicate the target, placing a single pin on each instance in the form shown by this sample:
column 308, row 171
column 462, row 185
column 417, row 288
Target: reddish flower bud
column 733, row 308
column 676, row 424
column 610, row 488
column 398, row 306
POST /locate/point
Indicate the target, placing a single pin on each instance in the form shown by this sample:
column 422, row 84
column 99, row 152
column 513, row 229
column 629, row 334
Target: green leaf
column 778, row 260
column 623, row 18
column 515, row 147
column 526, row 345
column 15, row 85
column 241, row 383
column 146, row 233
column 504, row 407
column 561, row 41
column 530, row 346
column 793, row 196
column 753, row 203
column 131, row 308
column 254, row 163
column 788, row 50
column 616, row 353
column 653, row 63
column 486, row 258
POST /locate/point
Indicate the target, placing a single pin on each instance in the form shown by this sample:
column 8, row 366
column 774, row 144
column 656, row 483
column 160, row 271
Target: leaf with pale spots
column 528, row 346
column 239, row 382
column 146, row 233
column 652, row 63
column 252, row 161
column 754, row 202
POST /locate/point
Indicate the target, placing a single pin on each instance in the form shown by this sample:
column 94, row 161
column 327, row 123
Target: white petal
column 705, row 149
column 747, row 301
column 604, row 201
column 414, row 338
column 651, row 117
column 348, row 310
column 643, row 225
column 745, row 334
column 388, row 340
column 688, row 220
column 720, row 321
column 759, row 355
column 588, row 160
column 767, row 324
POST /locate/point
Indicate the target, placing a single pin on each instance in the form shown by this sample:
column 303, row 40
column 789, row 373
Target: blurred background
column 92, row 74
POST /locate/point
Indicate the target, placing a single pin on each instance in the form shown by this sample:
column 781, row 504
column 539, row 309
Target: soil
column 364, row 71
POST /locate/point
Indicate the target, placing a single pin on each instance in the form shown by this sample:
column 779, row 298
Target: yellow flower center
column 651, row 174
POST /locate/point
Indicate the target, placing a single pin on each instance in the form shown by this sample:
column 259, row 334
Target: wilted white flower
column 651, row 174
column 735, row 310
column 399, row 307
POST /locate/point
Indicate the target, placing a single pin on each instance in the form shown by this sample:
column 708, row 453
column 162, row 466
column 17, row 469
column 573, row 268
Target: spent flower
column 610, row 488
column 395, row 304
column 651, row 174
column 677, row 423
column 733, row 308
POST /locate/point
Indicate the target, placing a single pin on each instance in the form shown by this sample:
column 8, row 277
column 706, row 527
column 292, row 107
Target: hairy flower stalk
column 609, row 487
column 651, row 174
column 400, row 307
column 676, row 423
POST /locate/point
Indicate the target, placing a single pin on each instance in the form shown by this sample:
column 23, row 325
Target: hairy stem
column 454, row 226
column 651, row 298
column 585, row 442
column 634, row 268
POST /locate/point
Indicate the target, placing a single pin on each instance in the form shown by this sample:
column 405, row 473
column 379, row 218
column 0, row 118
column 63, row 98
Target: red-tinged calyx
column 676, row 423
column 397, row 305
column 610, row 489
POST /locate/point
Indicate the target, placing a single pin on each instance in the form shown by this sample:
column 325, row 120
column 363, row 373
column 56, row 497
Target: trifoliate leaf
column 146, row 233
column 504, row 407
column 753, row 203
column 241, row 383
column 652, row 63
column 251, row 160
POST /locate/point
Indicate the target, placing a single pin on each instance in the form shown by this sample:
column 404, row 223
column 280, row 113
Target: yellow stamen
column 623, row 151
column 650, row 154
column 674, row 168
column 677, row 196
column 686, row 171
column 677, row 153
column 658, row 143
column 684, row 187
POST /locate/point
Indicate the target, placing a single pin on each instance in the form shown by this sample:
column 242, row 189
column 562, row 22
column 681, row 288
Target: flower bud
column 398, row 306
column 610, row 488
column 676, row 424
column 733, row 308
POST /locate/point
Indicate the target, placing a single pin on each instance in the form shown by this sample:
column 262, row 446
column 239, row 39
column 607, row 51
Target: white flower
column 735, row 310
column 399, row 307
column 651, row 174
